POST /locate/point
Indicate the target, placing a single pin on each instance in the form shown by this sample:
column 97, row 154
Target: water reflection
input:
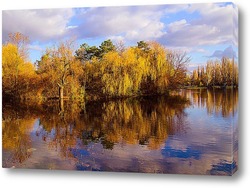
column 219, row 101
column 186, row 133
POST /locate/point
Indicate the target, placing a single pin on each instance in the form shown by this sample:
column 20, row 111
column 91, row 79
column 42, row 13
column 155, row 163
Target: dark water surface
column 188, row 133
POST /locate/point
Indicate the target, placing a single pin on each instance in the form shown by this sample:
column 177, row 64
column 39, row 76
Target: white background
column 44, row 178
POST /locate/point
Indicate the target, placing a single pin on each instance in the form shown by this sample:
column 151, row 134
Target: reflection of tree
column 62, row 123
column 18, row 122
column 132, row 121
column 16, row 128
column 217, row 101
column 145, row 121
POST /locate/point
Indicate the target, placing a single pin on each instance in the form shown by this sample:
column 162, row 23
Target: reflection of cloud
column 79, row 152
column 223, row 168
column 228, row 52
column 187, row 153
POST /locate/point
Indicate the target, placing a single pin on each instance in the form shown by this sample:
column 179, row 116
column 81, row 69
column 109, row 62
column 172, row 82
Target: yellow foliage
column 61, row 70
column 18, row 76
column 132, row 71
column 123, row 73
column 10, row 60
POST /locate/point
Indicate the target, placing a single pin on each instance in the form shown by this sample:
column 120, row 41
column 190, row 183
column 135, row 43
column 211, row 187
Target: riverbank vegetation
column 103, row 72
column 216, row 73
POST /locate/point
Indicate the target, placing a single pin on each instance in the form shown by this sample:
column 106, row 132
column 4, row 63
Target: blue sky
column 204, row 31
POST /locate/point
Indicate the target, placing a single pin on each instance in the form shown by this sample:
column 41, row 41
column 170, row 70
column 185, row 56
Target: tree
column 235, row 73
column 86, row 52
column 144, row 46
column 217, row 73
column 120, row 47
column 21, row 42
column 19, row 78
column 177, row 67
column 203, row 77
column 194, row 78
column 158, row 68
column 106, row 46
column 209, row 73
column 11, row 62
column 61, row 70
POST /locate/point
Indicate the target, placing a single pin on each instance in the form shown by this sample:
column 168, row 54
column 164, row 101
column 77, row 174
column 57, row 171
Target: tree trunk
column 61, row 93
column 61, row 105
column 61, row 108
column 61, row 102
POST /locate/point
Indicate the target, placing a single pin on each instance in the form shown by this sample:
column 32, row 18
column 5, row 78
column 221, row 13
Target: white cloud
column 192, row 35
column 214, row 26
column 201, row 50
column 71, row 27
column 35, row 47
column 177, row 25
column 151, row 31
column 42, row 25
column 132, row 22
column 116, row 38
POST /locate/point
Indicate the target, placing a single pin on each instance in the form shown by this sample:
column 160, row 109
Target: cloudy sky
column 204, row 31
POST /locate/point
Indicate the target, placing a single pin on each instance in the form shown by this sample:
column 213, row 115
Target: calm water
column 189, row 133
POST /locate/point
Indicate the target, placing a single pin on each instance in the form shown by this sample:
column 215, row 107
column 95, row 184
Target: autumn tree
column 143, row 46
column 21, row 42
column 221, row 73
column 177, row 67
column 142, row 69
column 113, row 72
column 11, row 62
column 194, row 77
column 120, row 47
column 209, row 73
column 158, row 68
column 138, row 70
column 122, row 73
column 235, row 73
column 61, row 71
column 18, row 75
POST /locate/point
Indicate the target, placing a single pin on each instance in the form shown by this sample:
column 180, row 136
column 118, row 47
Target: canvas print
column 146, row 89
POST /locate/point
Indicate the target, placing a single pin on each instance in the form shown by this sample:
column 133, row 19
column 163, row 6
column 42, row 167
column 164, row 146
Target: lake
column 190, row 132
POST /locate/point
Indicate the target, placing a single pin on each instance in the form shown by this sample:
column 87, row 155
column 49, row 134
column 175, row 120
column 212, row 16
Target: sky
column 203, row 31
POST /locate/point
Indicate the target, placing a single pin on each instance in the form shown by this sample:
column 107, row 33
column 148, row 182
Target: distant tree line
column 105, row 71
column 220, row 73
